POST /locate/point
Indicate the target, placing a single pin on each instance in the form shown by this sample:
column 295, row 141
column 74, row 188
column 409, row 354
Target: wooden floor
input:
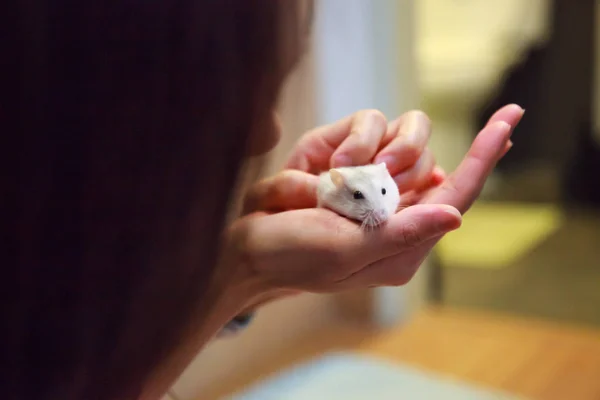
column 538, row 360
column 534, row 359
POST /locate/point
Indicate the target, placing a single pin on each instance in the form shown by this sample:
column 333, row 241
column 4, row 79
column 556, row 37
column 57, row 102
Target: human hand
column 317, row 250
column 366, row 136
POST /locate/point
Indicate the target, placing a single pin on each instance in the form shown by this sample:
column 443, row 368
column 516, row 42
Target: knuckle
column 410, row 236
column 374, row 114
column 287, row 177
column 449, row 187
column 286, row 173
column 376, row 118
column 421, row 115
column 411, row 153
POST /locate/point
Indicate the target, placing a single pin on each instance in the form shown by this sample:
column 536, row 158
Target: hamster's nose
column 381, row 215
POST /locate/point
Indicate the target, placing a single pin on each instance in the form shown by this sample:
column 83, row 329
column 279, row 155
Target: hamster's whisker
column 363, row 225
column 364, row 217
column 367, row 222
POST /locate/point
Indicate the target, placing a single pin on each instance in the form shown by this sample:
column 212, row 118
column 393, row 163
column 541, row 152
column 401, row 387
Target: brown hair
column 124, row 125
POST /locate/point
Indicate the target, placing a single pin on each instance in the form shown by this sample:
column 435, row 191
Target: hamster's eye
column 358, row 195
column 383, row 191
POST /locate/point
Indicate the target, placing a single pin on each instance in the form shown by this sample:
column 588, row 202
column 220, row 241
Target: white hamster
column 365, row 193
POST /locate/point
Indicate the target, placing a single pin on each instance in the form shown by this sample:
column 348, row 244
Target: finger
column 362, row 143
column 313, row 153
column 511, row 114
column 507, row 147
column 464, row 185
column 411, row 197
column 419, row 175
column 412, row 134
column 438, row 175
column 287, row 190
column 397, row 270
column 392, row 271
column 404, row 231
column 392, row 130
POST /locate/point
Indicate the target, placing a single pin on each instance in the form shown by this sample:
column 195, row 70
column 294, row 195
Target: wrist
column 267, row 297
column 236, row 324
column 238, row 301
column 246, row 315
column 242, row 278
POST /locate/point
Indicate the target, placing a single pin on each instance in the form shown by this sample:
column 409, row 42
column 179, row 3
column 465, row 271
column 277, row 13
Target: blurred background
column 508, row 306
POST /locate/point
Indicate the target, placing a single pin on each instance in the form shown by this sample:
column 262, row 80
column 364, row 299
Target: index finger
column 405, row 141
column 353, row 140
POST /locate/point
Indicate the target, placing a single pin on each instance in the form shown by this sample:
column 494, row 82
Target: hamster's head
column 366, row 193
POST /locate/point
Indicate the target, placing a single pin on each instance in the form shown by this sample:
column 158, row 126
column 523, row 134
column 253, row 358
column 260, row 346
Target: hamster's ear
column 382, row 165
column 336, row 177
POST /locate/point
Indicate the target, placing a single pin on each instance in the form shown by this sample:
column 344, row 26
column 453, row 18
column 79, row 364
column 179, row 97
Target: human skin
column 283, row 245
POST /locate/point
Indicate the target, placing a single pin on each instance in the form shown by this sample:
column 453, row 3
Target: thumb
column 288, row 190
column 407, row 229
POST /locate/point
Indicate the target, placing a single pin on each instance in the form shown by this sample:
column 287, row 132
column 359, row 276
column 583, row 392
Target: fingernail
column 451, row 220
column 365, row 126
column 521, row 113
column 518, row 106
column 390, row 162
column 506, row 127
column 409, row 129
column 368, row 124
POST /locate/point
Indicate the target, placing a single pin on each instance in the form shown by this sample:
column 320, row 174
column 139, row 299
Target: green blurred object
column 496, row 234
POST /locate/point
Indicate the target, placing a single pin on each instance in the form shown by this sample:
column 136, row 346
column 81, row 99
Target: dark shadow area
column 555, row 160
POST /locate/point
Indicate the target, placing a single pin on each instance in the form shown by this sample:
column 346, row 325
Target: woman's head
column 128, row 122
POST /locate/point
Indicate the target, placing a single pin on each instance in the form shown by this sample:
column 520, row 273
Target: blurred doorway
column 532, row 244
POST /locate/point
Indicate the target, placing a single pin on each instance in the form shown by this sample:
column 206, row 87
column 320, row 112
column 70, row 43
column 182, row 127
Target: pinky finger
column 507, row 147
column 437, row 176
column 419, row 175
column 412, row 197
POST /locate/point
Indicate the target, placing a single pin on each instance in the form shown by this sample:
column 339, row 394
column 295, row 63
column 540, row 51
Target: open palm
column 293, row 245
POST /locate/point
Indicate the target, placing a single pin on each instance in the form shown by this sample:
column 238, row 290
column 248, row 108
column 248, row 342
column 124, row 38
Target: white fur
column 336, row 192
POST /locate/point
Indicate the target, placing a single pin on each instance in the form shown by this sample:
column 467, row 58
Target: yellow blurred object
column 495, row 235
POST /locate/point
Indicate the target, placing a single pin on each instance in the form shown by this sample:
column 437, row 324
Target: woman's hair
column 124, row 125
